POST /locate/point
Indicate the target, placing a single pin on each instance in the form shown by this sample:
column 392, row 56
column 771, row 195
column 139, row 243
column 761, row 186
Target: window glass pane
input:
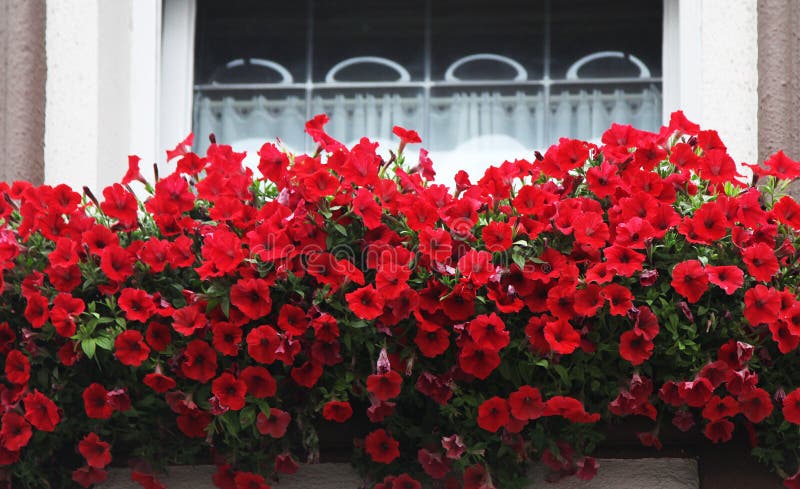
column 247, row 119
column 355, row 113
column 580, row 28
column 586, row 111
column 513, row 29
column 390, row 29
column 234, row 39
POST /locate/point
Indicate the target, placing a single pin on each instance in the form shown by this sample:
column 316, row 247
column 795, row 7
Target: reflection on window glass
column 481, row 81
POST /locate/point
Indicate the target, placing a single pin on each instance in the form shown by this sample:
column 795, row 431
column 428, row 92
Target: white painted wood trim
column 177, row 73
column 145, row 69
column 690, row 56
column 670, row 59
column 647, row 473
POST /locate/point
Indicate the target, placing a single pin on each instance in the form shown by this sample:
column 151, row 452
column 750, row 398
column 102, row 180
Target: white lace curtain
column 460, row 120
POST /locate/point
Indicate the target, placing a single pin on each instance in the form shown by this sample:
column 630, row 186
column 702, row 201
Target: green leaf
column 341, row 229
column 263, row 406
column 105, row 342
column 247, row 416
column 563, row 374
column 89, row 346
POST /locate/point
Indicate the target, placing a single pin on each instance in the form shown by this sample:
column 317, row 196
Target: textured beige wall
column 779, row 77
column 650, row 473
column 22, row 89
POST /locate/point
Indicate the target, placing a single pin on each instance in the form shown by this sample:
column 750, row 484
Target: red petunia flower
column 727, row 277
column 187, row 320
column 130, row 348
column 561, row 301
column 791, row 407
column 147, row 481
column 137, row 304
column 475, row 477
column 761, row 261
column 433, row 463
column 718, row 408
column 497, row 236
column 407, row 136
column 260, row 383
column 226, row 337
column 18, row 367
column 159, row 382
column 40, row 411
column 285, row 464
column 761, row 305
column 339, row 411
column 385, row 386
column 292, row 320
column 89, row 476
column 587, row 468
column 432, row 341
column 96, row 402
column 635, row 347
column 561, row 336
column 622, row 260
column 619, row 297
column 756, row 405
column 690, row 280
column 120, row 204
column 476, row 266
column 436, row 244
column 489, row 330
column 307, row 374
column 199, row 361
column 275, row 425
column 158, row 336
column 696, row 393
column 250, row 480
column 392, row 280
column 405, row 481
column 570, row 409
column 526, row 403
column 786, row 339
column 230, row 391
column 262, row 344
column 381, row 447
column 36, row 312
column 116, row 263
column 251, row 297
column 96, row 452
column 194, row 423
column 478, row 360
column 719, row 431
column 459, row 304
column 15, row 432
column 365, row 302
column 787, row 211
column 364, row 206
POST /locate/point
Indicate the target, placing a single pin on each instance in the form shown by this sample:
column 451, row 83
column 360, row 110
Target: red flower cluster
column 235, row 307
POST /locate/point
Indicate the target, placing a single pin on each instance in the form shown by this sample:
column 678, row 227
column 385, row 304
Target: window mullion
column 546, row 71
column 426, row 98
column 309, row 61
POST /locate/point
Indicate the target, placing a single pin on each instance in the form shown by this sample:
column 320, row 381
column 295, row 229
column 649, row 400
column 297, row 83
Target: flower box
column 232, row 317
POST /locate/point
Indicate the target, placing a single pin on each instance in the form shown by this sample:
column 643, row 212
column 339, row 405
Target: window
column 481, row 81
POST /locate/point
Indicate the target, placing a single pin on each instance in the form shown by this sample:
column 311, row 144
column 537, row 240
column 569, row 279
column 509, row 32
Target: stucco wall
column 22, row 89
column 779, row 77
column 664, row 473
